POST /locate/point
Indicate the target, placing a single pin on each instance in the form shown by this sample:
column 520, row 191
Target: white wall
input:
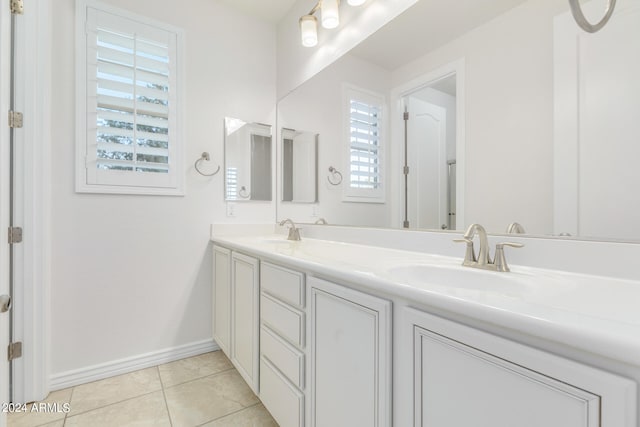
column 509, row 115
column 296, row 64
column 317, row 106
column 131, row 274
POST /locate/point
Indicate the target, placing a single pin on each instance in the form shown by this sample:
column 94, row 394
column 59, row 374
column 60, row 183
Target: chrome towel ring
column 244, row 193
column 576, row 10
column 205, row 156
column 336, row 175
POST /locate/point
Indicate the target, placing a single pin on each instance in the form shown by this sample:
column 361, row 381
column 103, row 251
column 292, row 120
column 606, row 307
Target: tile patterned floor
column 203, row 390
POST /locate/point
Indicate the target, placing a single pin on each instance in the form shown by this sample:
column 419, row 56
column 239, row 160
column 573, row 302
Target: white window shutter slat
column 131, row 110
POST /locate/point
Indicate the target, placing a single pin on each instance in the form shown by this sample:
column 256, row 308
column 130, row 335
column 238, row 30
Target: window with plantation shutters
column 128, row 104
column 364, row 112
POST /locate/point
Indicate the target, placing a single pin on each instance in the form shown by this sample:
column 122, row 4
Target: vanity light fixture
column 330, row 13
column 309, row 30
column 330, row 18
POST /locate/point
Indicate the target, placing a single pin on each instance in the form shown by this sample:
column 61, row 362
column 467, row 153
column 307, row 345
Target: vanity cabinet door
column 460, row 386
column 245, row 299
column 350, row 357
column 222, row 298
column 465, row 377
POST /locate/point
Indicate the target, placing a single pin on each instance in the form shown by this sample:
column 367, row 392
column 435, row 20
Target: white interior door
column 427, row 133
column 596, row 125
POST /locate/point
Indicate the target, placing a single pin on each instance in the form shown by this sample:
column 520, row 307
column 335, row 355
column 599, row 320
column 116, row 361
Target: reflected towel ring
column 334, row 172
column 582, row 20
column 244, row 193
column 205, row 156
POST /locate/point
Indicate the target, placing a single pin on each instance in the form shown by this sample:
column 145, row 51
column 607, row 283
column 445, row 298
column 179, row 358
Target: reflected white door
column 427, row 133
column 596, row 138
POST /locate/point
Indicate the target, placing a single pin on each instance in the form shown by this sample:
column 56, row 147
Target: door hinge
column 405, row 170
column 17, row 7
column 15, row 119
column 405, row 116
column 15, row 350
column 15, row 235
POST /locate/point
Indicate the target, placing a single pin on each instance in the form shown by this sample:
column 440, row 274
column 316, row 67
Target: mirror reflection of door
column 247, row 161
column 431, row 147
column 299, row 166
column 260, row 167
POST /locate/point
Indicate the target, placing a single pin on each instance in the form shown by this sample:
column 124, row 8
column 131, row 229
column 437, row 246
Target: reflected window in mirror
column 247, row 160
column 364, row 114
column 299, row 166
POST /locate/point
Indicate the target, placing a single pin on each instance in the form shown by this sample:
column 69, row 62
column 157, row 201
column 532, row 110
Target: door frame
column 5, row 35
column 398, row 94
column 32, row 203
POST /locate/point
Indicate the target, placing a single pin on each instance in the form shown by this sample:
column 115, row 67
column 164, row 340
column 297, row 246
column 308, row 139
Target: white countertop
column 597, row 314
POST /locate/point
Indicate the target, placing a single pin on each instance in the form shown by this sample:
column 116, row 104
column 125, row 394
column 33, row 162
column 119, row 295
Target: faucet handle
column 470, row 254
column 511, row 244
column 500, row 260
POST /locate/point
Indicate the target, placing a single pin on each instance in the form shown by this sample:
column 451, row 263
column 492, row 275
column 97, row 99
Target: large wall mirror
column 513, row 114
column 247, row 160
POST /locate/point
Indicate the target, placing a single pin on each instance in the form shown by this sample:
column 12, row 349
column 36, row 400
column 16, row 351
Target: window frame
column 362, row 195
column 128, row 182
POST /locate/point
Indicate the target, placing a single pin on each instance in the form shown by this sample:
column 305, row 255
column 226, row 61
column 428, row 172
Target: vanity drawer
column 286, row 321
column 284, row 356
column 282, row 283
column 280, row 397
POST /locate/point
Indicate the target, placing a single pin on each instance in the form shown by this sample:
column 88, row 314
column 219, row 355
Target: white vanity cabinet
column 236, row 311
column 323, row 354
column 282, row 344
column 453, row 375
column 245, row 308
column 222, row 298
column 349, row 357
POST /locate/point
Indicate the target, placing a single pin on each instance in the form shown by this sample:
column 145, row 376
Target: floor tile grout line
column 201, row 378
column 164, row 396
column 114, row 403
column 66, row 415
column 230, row 413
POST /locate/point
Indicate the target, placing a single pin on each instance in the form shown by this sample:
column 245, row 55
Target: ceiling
column 268, row 10
column 426, row 26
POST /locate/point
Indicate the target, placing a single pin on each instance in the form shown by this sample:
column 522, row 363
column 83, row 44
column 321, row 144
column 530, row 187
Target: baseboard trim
column 130, row 364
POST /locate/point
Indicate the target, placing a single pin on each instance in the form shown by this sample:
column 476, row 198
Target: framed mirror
column 544, row 133
column 247, row 159
column 299, row 166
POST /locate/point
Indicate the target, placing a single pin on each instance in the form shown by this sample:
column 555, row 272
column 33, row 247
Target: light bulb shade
column 330, row 14
column 355, row 2
column 309, row 30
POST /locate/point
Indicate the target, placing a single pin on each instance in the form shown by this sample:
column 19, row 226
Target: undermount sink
column 459, row 277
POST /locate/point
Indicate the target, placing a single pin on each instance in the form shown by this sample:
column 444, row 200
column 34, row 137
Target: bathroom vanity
column 339, row 334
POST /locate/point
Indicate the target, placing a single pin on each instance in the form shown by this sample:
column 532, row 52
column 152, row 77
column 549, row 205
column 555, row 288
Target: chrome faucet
column 294, row 232
column 483, row 260
column 515, row 228
column 483, row 253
